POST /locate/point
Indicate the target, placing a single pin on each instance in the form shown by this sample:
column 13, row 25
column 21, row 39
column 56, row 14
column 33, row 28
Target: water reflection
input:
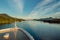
column 45, row 31
column 39, row 30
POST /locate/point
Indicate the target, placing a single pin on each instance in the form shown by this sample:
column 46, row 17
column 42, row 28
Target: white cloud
column 57, row 15
column 38, row 8
column 19, row 4
column 41, row 4
column 41, row 10
column 16, row 6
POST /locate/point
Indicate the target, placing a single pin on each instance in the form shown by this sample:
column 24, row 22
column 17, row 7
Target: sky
column 30, row 8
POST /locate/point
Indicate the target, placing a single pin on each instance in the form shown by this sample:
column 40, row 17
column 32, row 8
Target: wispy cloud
column 19, row 4
column 57, row 15
column 42, row 9
column 16, row 7
column 38, row 7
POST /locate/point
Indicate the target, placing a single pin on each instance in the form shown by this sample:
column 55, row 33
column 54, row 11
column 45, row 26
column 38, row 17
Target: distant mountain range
column 5, row 19
column 49, row 20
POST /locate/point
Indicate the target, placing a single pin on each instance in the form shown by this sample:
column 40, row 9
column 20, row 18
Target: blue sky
column 30, row 8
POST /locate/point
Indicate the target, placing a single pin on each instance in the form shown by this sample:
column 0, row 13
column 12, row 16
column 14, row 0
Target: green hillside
column 5, row 19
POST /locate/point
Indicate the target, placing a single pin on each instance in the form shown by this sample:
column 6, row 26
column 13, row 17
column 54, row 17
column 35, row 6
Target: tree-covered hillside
column 4, row 19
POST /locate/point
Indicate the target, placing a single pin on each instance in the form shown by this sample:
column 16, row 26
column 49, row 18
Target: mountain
column 5, row 19
column 49, row 20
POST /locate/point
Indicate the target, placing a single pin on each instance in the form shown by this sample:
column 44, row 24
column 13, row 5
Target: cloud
column 57, row 15
column 38, row 7
column 19, row 4
column 42, row 9
column 16, row 5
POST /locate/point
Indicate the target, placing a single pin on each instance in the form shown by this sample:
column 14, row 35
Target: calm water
column 39, row 30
